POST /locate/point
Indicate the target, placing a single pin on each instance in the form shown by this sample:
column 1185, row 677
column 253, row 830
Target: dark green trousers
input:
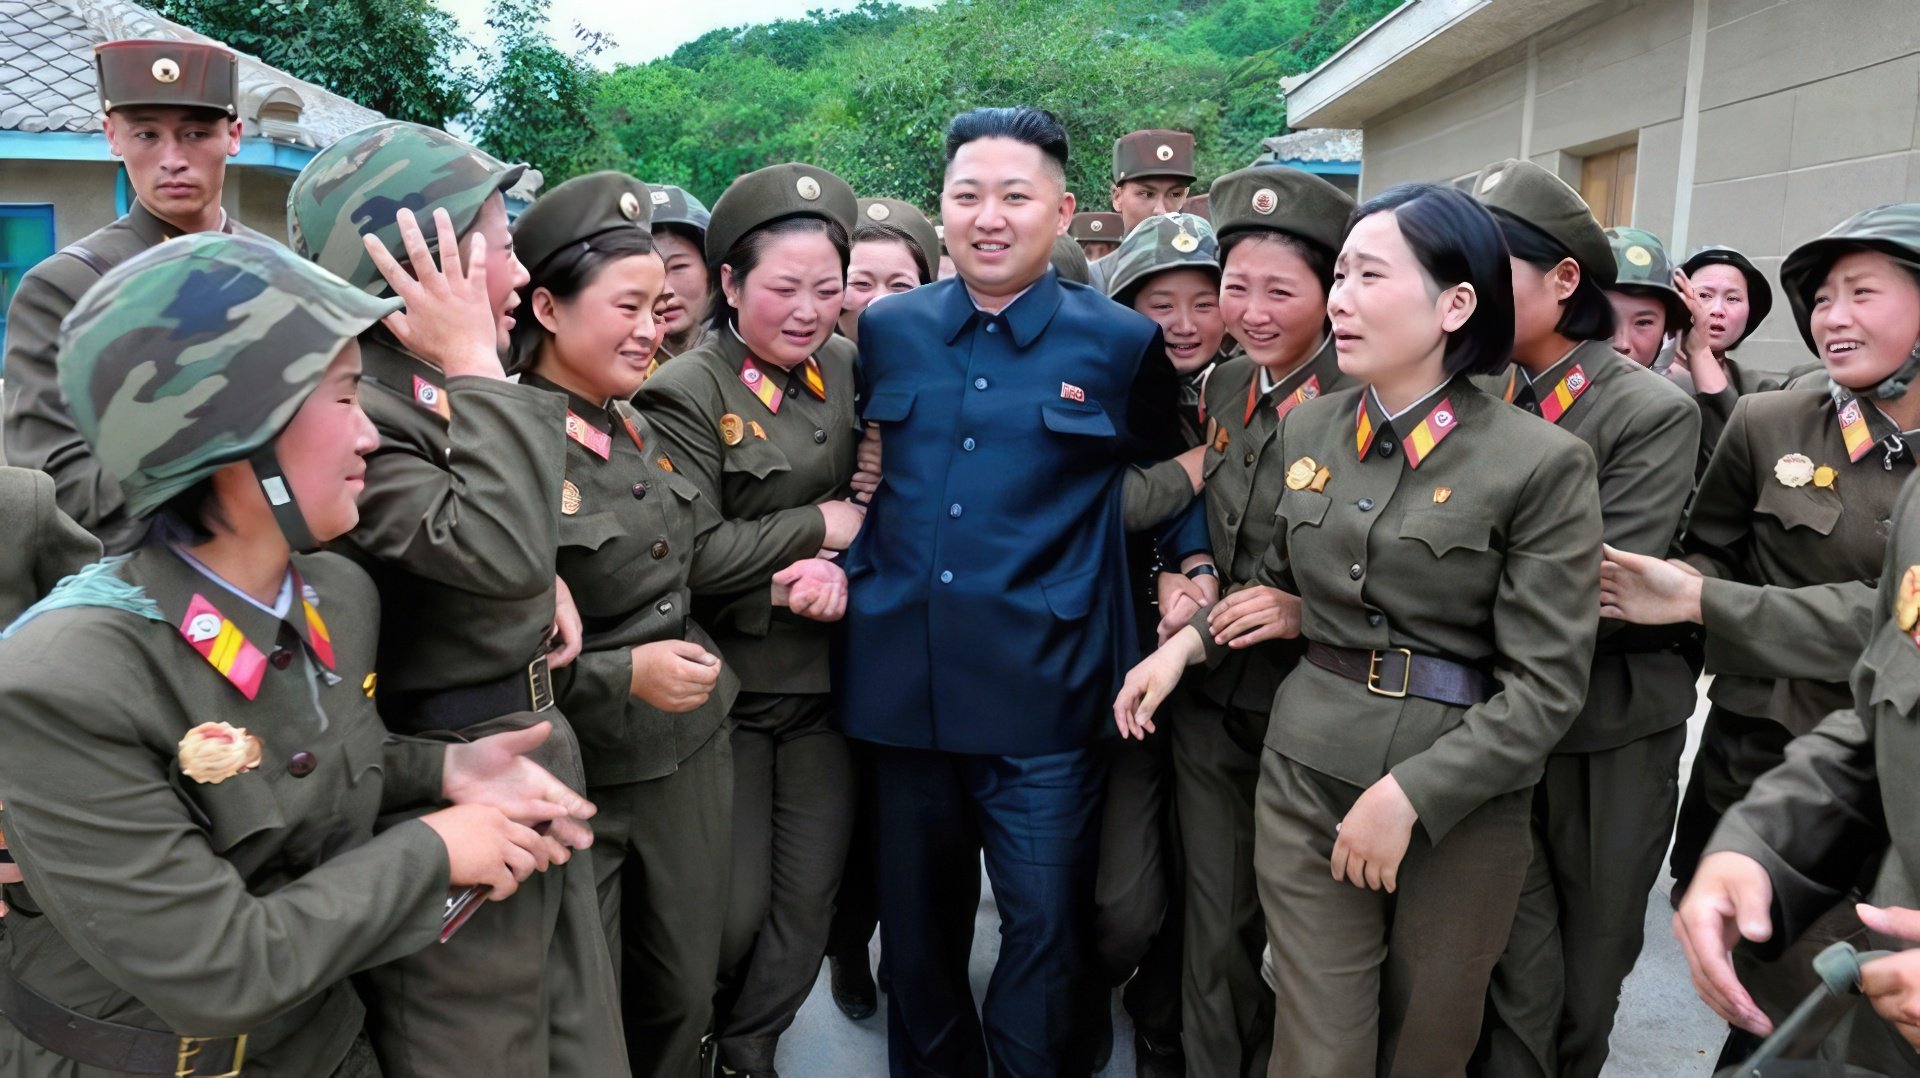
column 1600, row 827
column 1136, row 892
column 662, row 849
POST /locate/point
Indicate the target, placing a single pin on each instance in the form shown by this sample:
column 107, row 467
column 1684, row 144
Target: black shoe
column 1158, row 1056
column 853, row 990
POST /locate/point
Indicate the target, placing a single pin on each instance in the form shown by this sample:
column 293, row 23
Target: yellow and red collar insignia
column 597, row 441
column 1439, row 422
column 318, row 639
column 1556, row 402
column 222, row 644
column 1364, row 430
column 1853, row 428
column 431, row 397
column 761, row 381
column 1287, row 402
column 814, row 379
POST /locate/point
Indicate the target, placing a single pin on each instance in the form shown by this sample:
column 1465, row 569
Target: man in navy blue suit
column 989, row 622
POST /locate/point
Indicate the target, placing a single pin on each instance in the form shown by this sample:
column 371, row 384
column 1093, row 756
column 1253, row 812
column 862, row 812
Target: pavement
column 1662, row 1031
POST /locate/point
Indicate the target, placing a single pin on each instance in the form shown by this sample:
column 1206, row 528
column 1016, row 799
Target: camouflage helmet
column 1641, row 265
column 196, row 353
column 1892, row 230
column 1162, row 242
column 1759, row 292
column 676, row 208
column 358, row 185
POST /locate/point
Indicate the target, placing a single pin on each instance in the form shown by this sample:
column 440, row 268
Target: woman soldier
column 1432, row 546
column 1727, row 298
column 194, row 766
column 459, row 526
column 649, row 694
column 1789, row 527
column 1647, row 308
column 894, row 250
column 1611, row 785
column 760, row 419
column 680, row 235
column 1279, row 229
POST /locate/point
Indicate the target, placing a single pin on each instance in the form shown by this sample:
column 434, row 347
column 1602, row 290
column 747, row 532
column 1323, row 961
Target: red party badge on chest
column 1071, row 392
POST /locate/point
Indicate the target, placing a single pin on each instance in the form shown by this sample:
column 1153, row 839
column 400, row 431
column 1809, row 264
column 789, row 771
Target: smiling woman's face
column 1865, row 318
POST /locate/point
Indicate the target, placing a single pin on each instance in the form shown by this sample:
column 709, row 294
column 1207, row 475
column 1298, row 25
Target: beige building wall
column 82, row 195
column 1807, row 111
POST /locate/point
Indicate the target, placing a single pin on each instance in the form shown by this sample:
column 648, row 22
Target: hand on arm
column 1150, row 682
column 1253, row 615
column 1648, row 591
column 567, row 627
column 812, row 588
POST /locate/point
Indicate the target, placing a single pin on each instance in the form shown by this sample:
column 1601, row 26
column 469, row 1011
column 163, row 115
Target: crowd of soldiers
column 605, row 616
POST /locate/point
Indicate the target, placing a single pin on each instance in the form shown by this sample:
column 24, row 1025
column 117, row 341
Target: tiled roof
column 1320, row 144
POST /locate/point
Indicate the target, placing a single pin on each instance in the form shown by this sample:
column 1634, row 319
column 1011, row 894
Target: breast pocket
column 757, row 457
column 888, row 406
column 234, row 809
column 1303, row 508
column 1806, row 507
column 1082, row 420
column 588, row 531
column 1444, row 534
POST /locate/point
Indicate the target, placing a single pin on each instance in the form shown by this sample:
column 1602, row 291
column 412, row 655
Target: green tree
column 537, row 107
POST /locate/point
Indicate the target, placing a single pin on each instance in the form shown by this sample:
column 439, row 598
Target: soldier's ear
column 233, row 137
column 1456, row 305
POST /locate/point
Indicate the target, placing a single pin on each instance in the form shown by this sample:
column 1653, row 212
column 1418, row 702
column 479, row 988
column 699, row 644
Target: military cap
column 577, row 211
column 1200, row 206
column 1139, row 155
column 195, row 353
column 1640, row 264
column 1096, row 227
column 359, row 184
column 1069, row 261
column 907, row 218
column 1530, row 193
column 766, row 195
column 183, row 74
column 1893, row 230
column 675, row 207
column 1162, row 242
column 1759, row 292
column 1281, row 199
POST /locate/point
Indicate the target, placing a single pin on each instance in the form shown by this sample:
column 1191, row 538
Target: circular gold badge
column 1638, row 256
column 1185, row 242
column 1096, row 226
column 808, row 187
column 1825, row 477
column 1265, row 201
column 732, row 429
column 630, row 206
column 569, row 498
column 1301, row 473
column 165, row 70
column 879, row 211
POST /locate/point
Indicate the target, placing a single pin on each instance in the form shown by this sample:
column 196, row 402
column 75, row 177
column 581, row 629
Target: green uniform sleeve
column 1545, row 623
column 415, row 772
column 1153, row 495
column 1716, row 412
column 1815, row 632
column 136, row 887
column 484, row 519
column 40, row 432
column 1645, row 481
column 1720, row 523
column 598, row 682
column 60, row 547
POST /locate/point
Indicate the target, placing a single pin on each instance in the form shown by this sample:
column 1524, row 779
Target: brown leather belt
column 111, row 1046
column 530, row 689
column 1397, row 672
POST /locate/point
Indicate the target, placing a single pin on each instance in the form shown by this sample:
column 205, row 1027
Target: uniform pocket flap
column 756, row 457
column 1443, row 532
column 235, row 808
column 1799, row 507
column 1087, row 419
column 588, row 531
column 1894, row 658
column 888, row 406
column 1303, row 507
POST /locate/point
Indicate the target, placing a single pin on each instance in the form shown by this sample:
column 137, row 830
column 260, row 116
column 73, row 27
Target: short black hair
column 567, row 273
column 1022, row 123
column 877, row 232
column 1587, row 315
column 1317, row 258
column 1457, row 242
column 745, row 253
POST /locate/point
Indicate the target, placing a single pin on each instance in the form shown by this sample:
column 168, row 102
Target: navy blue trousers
column 1037, row 820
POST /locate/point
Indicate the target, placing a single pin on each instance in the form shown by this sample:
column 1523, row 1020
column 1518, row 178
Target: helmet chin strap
column 286, row 511
column 1894, row 386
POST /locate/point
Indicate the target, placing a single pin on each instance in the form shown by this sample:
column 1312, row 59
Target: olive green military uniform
column 459, row 526
column 43, row 544
column 1604, row 809
column 1140, row 155
column 39, row 432
column 763, row 446
column 1219, row 716
column 1487, row 553
column 1820, row 820
column 1100, row 227
column 192, row 778
column 1716, row 409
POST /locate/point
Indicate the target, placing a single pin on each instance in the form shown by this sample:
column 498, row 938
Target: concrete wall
column 1808, row 111
column 82, row 194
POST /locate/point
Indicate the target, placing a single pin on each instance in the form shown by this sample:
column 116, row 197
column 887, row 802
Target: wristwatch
column 1203, row 569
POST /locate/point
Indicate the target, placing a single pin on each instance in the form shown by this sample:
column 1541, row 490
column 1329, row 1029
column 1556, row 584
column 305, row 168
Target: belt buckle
column 186, row 1065
column 1373, row 673
column 539, row 684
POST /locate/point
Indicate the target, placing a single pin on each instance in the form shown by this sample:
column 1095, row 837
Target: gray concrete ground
column 1663, row 1031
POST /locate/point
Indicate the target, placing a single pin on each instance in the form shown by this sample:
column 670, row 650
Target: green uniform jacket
column 38, row 543
column 459, row 521
column 165, row 903
column 1488, row 553
column 1819, row 819
column 39, row 431
column 765, row 488
column 634, row 546
column 1245, row 474
column 1791, row 569
column 1642, row 430
column 1716, row 409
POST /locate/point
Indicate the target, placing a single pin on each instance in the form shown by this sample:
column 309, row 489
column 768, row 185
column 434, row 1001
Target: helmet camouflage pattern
column 197, row 352
column 1161, row 242
column 1641, row 265
column 359, row 185
column 1892, row 230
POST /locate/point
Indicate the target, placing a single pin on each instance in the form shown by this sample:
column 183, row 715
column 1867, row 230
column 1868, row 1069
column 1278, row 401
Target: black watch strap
column 1203, row 569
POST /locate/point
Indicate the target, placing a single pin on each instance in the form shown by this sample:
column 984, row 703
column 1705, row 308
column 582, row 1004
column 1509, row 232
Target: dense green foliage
column 866, row 92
